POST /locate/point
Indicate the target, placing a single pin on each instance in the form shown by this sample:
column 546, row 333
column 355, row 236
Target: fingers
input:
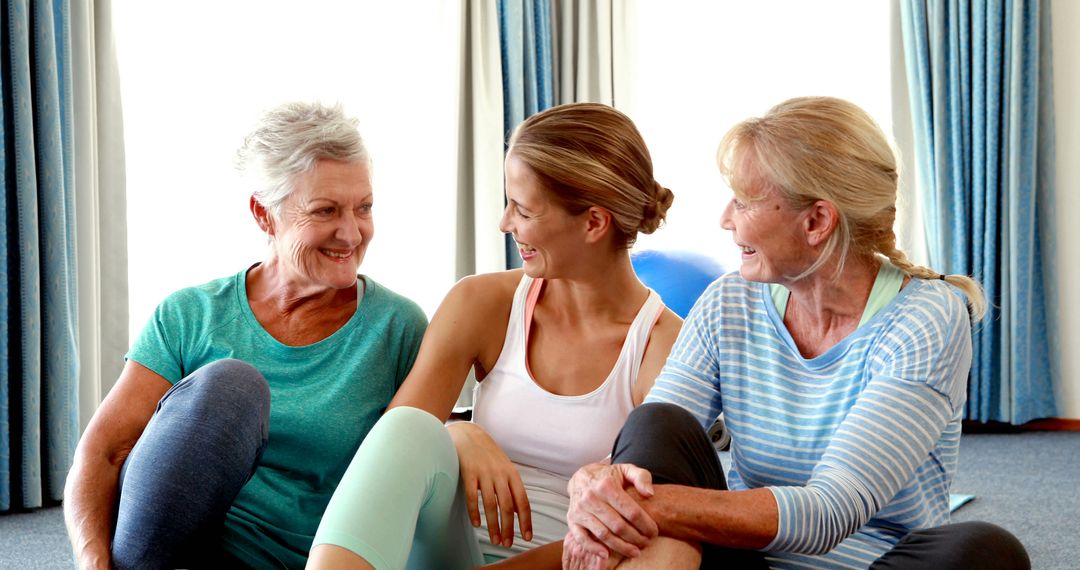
column 585, row 543
column 491, row 510
column 521, row 504
column 609, row 502
column 578, row 556
column 580, row 552
column 584, row 562
column 624, row 516
column 617, row 536
column 506, row 513
column 640, row 478
column 602, row 507
column 501, row 499
column 486, row 471
column 471, row 499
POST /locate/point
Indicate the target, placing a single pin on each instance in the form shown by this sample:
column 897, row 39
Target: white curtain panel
column 582, row 50
column 910, row 227
column 479, row 248
column 480, row 150
column 101, row 217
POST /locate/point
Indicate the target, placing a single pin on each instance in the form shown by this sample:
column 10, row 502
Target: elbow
column 824, row 547
column 822, row 520
column 93, row 457
column 826, row 536
column 840, row 520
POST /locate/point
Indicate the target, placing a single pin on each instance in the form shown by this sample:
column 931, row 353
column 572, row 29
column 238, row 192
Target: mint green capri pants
column 399, row 504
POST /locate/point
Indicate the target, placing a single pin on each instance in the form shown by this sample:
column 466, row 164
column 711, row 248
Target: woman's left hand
column 487, row 470
column 604, row 518
column 578, row 553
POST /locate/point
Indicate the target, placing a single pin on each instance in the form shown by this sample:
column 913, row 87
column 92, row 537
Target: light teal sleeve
column 399, row 504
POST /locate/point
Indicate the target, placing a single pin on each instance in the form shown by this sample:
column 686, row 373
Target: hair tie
column 941, row 276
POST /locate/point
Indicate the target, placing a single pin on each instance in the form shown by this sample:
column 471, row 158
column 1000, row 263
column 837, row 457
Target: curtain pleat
column 100, row 204
column 480, row 248
column 980, row 90
column 525, row 39
column 40, row 374
column 583, row 42
column 553, row 53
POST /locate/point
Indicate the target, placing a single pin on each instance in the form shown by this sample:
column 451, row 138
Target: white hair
column 288, row 140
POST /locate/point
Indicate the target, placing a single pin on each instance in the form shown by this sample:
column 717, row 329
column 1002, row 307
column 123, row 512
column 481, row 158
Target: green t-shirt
column 325, row 397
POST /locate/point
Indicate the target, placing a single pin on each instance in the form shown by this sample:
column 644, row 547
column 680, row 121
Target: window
column 697, row 68
column 196, row 75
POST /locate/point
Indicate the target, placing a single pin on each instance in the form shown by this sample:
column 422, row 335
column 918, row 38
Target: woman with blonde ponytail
column 840, row 366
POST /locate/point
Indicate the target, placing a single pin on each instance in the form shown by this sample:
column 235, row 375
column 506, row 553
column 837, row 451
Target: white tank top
column 548, row 436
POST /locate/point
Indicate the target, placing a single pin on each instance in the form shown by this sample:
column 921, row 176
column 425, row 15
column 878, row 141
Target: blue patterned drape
column 38, row 353
column 980, row 84
column 525, row 38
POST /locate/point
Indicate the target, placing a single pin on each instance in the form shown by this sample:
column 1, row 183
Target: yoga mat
column 956, row 501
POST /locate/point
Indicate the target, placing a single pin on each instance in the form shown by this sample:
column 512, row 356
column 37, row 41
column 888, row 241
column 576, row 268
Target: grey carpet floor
column 34, row 540
column 1028, row 483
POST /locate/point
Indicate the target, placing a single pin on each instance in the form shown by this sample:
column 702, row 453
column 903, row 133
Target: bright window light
column 195, row 76
column 696, row 68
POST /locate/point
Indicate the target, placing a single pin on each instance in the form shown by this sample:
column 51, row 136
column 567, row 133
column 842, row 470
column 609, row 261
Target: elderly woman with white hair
column 243, row 399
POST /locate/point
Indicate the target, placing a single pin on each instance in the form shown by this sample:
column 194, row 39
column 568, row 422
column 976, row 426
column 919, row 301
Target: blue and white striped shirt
column 859, row 444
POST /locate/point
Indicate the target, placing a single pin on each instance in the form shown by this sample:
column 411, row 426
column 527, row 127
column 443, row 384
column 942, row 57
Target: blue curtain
column 980, row 83
column 38, row 354
column 525, row 38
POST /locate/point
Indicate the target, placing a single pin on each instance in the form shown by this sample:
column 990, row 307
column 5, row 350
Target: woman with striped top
column 840, row 367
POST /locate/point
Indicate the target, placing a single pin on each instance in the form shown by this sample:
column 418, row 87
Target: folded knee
column 409, row 440
column 669, row 442
column 657, row 417
column 990, row 541
column 231, row 378
column 412, row 428
column 227, row 390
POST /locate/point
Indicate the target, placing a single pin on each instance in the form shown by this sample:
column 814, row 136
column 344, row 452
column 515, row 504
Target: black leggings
column 666, row 440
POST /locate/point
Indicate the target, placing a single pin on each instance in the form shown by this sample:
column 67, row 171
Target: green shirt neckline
column 886, row 287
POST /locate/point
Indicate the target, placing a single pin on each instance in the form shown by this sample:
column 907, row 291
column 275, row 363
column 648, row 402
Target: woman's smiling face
column 769, row 233
column 323, row 228
column 543, row 230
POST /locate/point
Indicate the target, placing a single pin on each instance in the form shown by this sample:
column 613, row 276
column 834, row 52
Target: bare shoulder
column 485, row 292
column 662, row 338
column 500, row 282
column 666, row 330
column 466, row 331
column 476, row 306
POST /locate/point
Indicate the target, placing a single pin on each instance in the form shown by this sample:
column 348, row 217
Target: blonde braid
column 970, row 287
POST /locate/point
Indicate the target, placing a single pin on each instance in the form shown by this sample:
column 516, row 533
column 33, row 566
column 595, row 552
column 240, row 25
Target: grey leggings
column 671, row 444
column 199, row 449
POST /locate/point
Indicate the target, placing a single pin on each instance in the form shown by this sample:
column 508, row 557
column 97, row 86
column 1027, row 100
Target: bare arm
column 736, row 519
column 90, row 491
column 661, row 340
column 467, row 329
column 616, row 507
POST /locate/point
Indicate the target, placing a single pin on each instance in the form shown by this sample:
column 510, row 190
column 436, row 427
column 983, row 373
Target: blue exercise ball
column 679, row 277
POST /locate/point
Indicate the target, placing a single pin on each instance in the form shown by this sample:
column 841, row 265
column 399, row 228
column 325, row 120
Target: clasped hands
column 606, row 521
column 606, row 518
